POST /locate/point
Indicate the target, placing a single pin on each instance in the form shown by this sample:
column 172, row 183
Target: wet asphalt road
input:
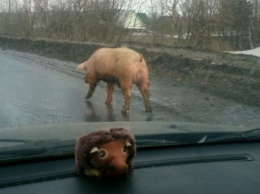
column 36, row 90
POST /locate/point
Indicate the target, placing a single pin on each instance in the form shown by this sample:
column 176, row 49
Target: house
column 132, row 21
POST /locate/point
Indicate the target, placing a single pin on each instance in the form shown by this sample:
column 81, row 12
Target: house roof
column 143, row 17
column 132, row 20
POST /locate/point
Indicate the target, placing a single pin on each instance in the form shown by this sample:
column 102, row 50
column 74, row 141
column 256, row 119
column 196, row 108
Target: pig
column 117, row 66
column 105, row 153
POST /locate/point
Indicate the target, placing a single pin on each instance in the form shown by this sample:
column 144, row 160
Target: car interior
column 188, row 168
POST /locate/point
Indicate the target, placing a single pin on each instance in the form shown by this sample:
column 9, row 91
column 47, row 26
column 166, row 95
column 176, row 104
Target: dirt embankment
column 229, row 76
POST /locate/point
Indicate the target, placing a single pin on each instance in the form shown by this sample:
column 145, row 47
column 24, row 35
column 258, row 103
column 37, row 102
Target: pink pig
column 121, row 66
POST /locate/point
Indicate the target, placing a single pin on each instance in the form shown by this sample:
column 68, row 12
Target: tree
column 256, row 22
column 235, row 20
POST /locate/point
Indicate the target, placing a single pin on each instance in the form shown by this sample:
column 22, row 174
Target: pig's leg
column 126, row 90
column 143, row 87
column 91, row 90
column 92, row 86
column 110, row 89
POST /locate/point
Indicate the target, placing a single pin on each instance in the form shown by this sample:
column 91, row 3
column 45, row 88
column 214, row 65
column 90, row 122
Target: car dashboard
column 198, row 168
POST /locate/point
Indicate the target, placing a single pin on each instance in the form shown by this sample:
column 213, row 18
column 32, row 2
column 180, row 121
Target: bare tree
column 41, row 17
column 28, row 15
column 217, row 24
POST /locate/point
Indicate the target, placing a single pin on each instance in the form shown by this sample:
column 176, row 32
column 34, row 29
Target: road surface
column 35, row 90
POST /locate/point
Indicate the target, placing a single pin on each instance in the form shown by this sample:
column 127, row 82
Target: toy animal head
column 105, row 153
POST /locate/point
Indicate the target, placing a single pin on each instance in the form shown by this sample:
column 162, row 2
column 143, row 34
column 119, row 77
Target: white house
column 133, row 21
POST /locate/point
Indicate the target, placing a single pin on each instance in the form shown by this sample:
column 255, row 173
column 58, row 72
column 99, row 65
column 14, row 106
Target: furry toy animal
column 121, row 66
column 105, row 153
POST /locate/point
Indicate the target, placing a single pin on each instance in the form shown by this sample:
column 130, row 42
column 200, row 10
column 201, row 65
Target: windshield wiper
column 35, row 148
column 13, row 140
column 156, row 143
column 167, row 139
column 249, row 135
column 173, row 139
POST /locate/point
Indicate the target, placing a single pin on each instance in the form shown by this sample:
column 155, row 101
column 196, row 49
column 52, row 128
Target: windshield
column 172, row 71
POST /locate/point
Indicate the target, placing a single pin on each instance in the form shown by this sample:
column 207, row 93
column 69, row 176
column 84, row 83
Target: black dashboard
column 211, row 168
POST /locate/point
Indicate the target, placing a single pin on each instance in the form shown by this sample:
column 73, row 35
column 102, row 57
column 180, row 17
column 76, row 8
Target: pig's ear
column 82, row 66
column 93, row 150
column 128, row 144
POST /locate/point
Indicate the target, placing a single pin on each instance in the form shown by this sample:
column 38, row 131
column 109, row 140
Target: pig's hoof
column 124, row 109
column 149, row 109
column 108, row 103
column 88, row 97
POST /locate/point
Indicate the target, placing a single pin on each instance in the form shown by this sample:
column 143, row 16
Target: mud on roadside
column 229, row 76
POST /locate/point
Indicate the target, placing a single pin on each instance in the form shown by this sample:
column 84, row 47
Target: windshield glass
column 158, row 67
